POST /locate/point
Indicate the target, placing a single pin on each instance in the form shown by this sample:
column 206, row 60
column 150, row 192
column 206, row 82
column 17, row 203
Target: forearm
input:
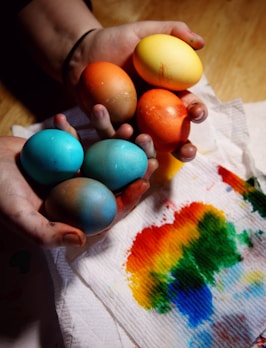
column 50, row 28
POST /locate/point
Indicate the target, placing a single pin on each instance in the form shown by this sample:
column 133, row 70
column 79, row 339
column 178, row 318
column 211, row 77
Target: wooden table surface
column 234, row 56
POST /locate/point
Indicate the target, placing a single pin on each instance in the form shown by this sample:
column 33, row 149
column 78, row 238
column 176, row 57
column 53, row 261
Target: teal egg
column 83, row 203
column 51, row 156
column 115, row 162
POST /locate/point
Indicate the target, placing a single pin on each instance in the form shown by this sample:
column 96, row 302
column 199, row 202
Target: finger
column 152, row 166
column 130, row 197
column 100, row 120
column 197, row 110
column 60, row 234
column 175, row 28
column 35, row 227
column 61, row 122
column 182, row 31
column 125, row 131
column 186, row 152
column 146, row 143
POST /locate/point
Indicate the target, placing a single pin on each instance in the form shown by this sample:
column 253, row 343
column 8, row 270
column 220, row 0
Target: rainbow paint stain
column 245, row 189
column 174, row 265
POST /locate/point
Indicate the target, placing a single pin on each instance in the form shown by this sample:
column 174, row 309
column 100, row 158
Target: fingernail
column 197, row 41
column 199, row 38
column 199, row 117
column 71, row 239
column 197, row 113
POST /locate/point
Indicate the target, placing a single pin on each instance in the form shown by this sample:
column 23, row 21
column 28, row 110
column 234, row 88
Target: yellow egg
column 168, row 62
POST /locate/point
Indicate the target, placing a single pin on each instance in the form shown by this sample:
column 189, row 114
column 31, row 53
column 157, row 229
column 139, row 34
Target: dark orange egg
column 107, row 84
column 162, row 115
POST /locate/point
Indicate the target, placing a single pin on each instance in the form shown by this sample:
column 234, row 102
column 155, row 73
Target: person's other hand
column 116, row 44
column 130, row 197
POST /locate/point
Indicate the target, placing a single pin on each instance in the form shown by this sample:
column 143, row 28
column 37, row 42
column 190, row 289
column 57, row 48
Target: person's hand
column 117, row 44
column 21, row 206
column 21, row 202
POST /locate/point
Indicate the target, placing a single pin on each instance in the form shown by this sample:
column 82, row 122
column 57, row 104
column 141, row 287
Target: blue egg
column 115, row 162
column 83, row 203
column 51, row 156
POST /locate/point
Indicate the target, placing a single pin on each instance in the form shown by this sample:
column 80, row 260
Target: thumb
column 130, row 197
column 47, row 234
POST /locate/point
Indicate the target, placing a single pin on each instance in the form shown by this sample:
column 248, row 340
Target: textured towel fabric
column 187, row 267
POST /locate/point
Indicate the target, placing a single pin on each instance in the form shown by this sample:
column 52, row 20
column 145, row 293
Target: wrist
column 78, row 58
column 50, row 28
column 73, row 56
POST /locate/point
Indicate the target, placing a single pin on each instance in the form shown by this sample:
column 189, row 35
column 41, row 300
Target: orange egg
column 108, row 84
column 162, row 115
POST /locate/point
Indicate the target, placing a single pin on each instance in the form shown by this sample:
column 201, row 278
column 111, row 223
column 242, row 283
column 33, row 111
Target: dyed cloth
column 187, row 267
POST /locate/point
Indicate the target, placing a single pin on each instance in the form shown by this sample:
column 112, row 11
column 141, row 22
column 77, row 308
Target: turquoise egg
column 115, row 162
column 83, row 203
column 51, row 156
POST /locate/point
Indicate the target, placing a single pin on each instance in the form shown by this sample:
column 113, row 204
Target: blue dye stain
column 194, row 303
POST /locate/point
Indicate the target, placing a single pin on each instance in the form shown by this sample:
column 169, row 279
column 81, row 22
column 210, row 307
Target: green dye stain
column 245, row 188
column 245, row 239
column 257, row 200
column 159, row 296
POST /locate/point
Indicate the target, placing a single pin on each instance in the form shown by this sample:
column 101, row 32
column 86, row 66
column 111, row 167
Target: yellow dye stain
column 168, row 167
column 254, row 277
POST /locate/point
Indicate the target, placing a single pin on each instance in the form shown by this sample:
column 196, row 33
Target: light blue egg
column 82, row 202
column 51, row 156
column 115, row 162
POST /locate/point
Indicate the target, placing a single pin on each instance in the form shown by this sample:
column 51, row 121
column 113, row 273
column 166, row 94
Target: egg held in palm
column 166, row 61
column 83, row 203
column 51, row 156
column 107, row 84
column 115, row 162
column 162, row 115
